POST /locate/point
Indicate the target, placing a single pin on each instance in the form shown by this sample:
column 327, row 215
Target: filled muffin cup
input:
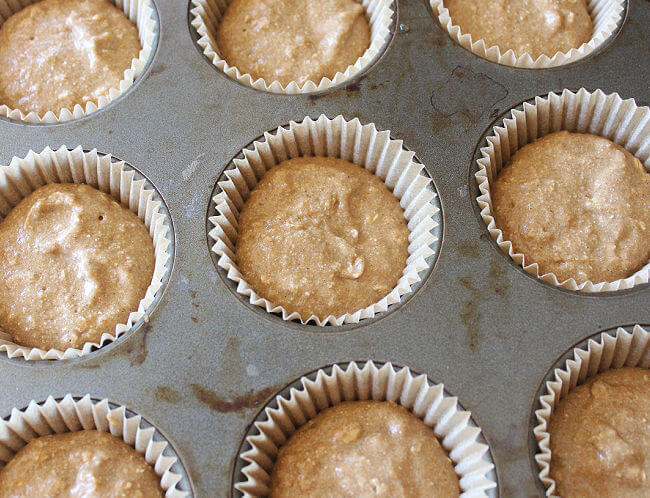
column 141, row 13
column 327, row 387
column 621, row 349
column 115, row 178
column 72, row 414
column 597, row 113
column 606, row 16
column 361, row 144
column 206, row 15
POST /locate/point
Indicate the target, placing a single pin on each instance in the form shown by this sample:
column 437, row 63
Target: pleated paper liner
column 454, row 427
column 141, row 13
column 72, row 414
column 609, row 116
column 606, row 16
column 615, row 350
column 361, row 144
column 64, row 165
column 206, row 15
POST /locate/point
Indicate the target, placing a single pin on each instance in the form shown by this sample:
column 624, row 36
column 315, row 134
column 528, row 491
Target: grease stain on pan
column 471, row 315
column 167, row 394
column 137, row 349
column 468, row 249
column 252, row 399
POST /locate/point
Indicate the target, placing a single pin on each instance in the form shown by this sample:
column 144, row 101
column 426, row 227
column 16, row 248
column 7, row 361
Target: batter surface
column 293, row 40
column 364, row 449
column 600, row 437
column 577, row 204
column 55, row 54
column 535, row 27
column 79, row 465
column 322, row 236
column 73, row 264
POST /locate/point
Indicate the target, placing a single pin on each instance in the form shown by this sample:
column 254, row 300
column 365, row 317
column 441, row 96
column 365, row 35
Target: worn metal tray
column 205, row 364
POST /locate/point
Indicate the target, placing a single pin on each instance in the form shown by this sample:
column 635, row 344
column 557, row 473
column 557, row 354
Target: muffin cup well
column 624, row 349
column 206, row 15
column 451, row 425
column 72, row 415
column 23, row 176
column 605, row 15
column 609, row 116
column 354, row 142
column 139, row 12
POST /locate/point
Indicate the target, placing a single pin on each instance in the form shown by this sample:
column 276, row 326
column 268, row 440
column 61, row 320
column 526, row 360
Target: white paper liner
column 624, row 349
column 70, row 415
column 354, row 142
column 451, row 425
column 621, row 121
column 605, row 15
column 23, row 176
column 139, row 12
column 206, row 15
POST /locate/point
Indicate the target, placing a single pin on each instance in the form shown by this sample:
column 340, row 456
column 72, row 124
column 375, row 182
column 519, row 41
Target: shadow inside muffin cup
column 627, row 345
column 582, row 111
column 144, row 15
column 75, row 413
column 361, row 144
column 607, row 17
column 131, row 189
column 314, row 392
column 204, row 17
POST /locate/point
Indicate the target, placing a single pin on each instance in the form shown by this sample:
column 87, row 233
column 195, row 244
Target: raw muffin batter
column 577, row 204
column 78, row 464
column 600, row 436
column 535, row 27
column 73, row 264
column 55, row 54
column 322, row 236
column 363, row 449
column 293, row 40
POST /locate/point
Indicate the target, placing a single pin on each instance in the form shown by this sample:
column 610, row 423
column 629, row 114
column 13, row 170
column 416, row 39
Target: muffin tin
column 205, row 364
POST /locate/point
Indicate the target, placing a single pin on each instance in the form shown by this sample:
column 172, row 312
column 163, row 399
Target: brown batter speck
column 293, row 40
column 577, row 205
column 56, row 54
column 73, row 264
column 322, row 236
column 364, row 449
column 79, row 464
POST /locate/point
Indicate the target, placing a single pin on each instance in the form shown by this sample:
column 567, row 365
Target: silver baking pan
column 207, row 362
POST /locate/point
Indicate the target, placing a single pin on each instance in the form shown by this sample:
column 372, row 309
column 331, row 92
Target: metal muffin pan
column 205, row 364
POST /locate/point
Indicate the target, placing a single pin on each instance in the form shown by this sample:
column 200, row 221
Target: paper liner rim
column 640, row 277
column 525, row 60
column 410, row 274
column 131, row 74
column 377, row 45
column 574, row 371
column 75, row 413
column 161, row 238
column 453, row 426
